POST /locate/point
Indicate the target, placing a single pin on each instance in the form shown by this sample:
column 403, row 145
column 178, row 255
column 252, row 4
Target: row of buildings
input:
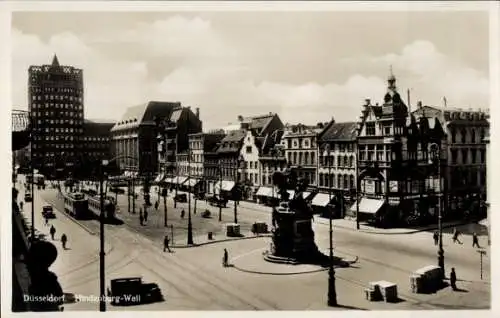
column 379, row 166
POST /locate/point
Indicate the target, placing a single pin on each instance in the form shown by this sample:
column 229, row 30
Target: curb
column 220, row 241
column 277, row 274
column 395, row 233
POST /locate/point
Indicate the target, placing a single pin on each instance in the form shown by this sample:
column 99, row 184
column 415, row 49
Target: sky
column 308, row 67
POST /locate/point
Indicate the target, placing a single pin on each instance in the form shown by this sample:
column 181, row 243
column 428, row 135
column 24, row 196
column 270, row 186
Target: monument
column 292, row 233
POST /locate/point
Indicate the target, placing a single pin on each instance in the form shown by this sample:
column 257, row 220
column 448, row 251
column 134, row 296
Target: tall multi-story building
column 96, row 145
column 301, row 151
column 199, row 169
column 173, row 139
column 134, row 137
column 397, row 180
column 466, row 154
column 56, row 105
column 337, row 167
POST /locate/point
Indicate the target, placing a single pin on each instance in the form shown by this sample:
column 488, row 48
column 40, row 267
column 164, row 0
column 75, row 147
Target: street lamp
column 238, row 191
column 436, row 160
column 332, row 293
column 190, row 225
column 220, row 191
column 102, row 254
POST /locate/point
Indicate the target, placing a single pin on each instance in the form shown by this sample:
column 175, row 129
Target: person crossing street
column 166, row 242
column 52, row 231
column 435, row 236
column 456, row 233
column 64, row 240
column 475, row 240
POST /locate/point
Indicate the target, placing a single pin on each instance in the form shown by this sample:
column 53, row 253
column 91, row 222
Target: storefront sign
column 369, row 186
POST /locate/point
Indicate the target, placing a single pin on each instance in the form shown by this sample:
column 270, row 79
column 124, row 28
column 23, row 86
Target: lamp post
column 190, row 225
column 238, row 191
column 102, row 254
column 220, row 191
column 332, row 293
column 436, row 159
column 358, row 187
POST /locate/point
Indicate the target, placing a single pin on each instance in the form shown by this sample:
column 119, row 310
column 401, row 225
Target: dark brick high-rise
column 55, row 98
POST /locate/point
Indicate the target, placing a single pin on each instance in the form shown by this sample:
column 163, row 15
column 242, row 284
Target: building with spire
column 56, row 106
column 397, row 183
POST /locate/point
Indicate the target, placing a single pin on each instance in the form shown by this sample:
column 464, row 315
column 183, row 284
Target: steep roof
column 340, row 131
column 260, row 122
column 136, row 115
column 232, row 141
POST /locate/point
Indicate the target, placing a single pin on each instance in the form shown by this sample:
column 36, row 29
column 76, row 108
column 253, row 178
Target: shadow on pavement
column 461, row 290
column 350, row 307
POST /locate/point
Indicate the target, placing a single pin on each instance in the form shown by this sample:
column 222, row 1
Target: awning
column 366, row 205
column 291, row 194
column 168, row 180
column 179, row 180
column 160, row 177
column 192, row 182
column 264, row 192
column 305, row 195
column 226, row 185
column 321, row 199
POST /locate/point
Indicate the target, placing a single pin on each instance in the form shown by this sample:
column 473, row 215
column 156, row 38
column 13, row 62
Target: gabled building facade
column 301, row 150
column 466, row 156
column 337, row 166
column 397, row 181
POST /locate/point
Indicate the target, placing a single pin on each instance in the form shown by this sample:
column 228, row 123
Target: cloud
column 209, row 71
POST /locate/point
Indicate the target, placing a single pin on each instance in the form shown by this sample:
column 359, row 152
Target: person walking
column 183, row 213
column 456, row 233
column 475, row 240
column 141, row 218
column 453, row 279
column 166, row 241
column 157, row 205
column 52, row 231
column 435, row 236
column 225, row 258
column 46, row 220
column 21, row 204
column 146, row 215
column 64, row 240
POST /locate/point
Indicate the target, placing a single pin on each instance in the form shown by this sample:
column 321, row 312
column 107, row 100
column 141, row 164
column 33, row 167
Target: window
column 249, row 149
column 370, row 129
column 473, row 155
column 387, row 130
column 463, row 133
column 473, row 136
column 464, row 155
column 482, row 154
column 453, row 135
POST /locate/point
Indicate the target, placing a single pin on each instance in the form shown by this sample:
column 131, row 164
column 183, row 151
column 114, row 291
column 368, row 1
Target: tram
column 95, row 207
column 76, row 205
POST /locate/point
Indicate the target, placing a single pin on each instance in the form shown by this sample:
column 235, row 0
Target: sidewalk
column 201, row 240
column 351, row 225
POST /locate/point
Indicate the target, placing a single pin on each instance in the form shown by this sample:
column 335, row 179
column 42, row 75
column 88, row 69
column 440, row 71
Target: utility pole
column 220, row 192
column 481, row 254
column 102, row 301
column 190, row 225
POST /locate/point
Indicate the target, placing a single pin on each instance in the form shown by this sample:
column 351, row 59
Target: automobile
column 48, row 212
column 181, row 197
column 28, row 197
column 132, row 291
column 217, row 201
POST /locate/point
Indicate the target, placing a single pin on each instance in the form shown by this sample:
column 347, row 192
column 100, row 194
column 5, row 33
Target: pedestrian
column 52, row 231
column 475, row 240
column 156, row 205
column 456, row 233
column 166, row 242
column 453, row 279
column 46, row 220
column 435, row 236
column 141, row 219
column 146, row 215
column 64, row 240
column 225, row 258
column 21, row 204
column 183, row 213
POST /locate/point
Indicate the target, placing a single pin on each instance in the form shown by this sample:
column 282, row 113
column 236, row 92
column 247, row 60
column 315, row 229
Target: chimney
column 367, row 102
column 198, row 112
column 419, row 104
column 240, row 118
